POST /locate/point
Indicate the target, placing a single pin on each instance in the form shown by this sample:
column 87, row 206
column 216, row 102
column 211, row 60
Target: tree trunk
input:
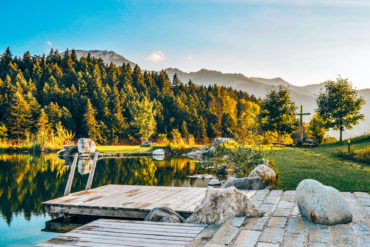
column 340, row 133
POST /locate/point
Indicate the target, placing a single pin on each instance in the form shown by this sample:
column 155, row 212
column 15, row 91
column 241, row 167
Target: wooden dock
column 127, row 201
column 104, row 232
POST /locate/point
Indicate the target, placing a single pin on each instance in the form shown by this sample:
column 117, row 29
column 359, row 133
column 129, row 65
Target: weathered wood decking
column 127, row 201
column 104, row 232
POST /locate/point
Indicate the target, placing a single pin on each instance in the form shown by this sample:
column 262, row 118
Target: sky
column 301, row 41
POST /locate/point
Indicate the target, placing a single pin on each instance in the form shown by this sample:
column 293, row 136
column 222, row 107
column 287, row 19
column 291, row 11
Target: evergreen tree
column 90, row 124
column 20, row 116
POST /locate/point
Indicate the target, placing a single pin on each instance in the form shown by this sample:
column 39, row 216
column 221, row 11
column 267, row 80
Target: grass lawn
column 124, row 149
column 321, row 163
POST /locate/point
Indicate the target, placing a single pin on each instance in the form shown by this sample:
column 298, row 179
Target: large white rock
column 86, row 145
column 219, row 205
column 264, row 172
column 322, row 204
column 159, row 151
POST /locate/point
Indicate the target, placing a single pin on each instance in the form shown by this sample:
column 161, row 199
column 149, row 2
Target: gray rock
column 164, row 214
column 254, row 183
column 264, row 172
column 214, row 182
column 68, row 151
column 86, row 145
column 198, row 154
column 219, row 205
column 158, row 152
column 146, row 144
column 322, row 204
column 220, row 140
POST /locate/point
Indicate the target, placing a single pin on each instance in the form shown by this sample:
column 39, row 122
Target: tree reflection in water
column 26, row 181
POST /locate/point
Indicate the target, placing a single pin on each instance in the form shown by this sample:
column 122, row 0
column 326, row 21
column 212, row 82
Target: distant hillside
column 253, row 85
column 304, row 95
column 107, row 56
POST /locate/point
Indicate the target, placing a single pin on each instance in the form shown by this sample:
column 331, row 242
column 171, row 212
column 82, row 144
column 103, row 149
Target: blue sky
column 298, row 40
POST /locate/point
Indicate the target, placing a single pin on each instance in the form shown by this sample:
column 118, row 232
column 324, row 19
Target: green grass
column 322, row 164
column 124, row 149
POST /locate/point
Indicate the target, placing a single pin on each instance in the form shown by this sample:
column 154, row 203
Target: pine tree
column 90, row 124
column 43, row 124
column 20, row 116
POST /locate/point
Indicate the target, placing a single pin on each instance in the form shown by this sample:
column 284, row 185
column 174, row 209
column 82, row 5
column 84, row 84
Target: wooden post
column 349, row 145
column 91, row 175
column 71, row 175
column 301, row 114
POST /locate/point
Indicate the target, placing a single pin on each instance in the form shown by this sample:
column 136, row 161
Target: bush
column 237, row 157
column 362, row 155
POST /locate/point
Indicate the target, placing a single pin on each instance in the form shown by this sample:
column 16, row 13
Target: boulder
column 68, row 151
column 214, row 182
column 254, row 183
column 219, row 205
column 86, row 145
column 264, row 172
column 198, row 154
column 146, row 144
column 220, row 140
column 158, row 152
column 164, row 214
column 322, row 204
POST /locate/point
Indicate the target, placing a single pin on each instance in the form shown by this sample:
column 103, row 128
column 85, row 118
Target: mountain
column 107, row 56
column 302, row 95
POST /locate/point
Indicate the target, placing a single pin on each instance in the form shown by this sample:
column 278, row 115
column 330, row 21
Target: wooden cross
column 301, row 114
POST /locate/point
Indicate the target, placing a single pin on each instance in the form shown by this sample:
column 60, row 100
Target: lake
column 26, row 181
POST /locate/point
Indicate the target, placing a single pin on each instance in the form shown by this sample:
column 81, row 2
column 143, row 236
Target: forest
column 60, row 97
column 110, row 103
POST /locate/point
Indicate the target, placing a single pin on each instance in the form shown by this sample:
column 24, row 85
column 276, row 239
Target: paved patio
column 282, row 225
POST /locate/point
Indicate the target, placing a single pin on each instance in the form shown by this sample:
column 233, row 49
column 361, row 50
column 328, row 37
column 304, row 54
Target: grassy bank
column 124, row 149
column 322, row 164
column 172, row 148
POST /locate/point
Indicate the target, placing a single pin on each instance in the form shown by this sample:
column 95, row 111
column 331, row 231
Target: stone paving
column 282, row 225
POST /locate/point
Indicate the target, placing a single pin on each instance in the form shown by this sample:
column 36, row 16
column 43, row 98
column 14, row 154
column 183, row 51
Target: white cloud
column 49, row 43
column 156, row 56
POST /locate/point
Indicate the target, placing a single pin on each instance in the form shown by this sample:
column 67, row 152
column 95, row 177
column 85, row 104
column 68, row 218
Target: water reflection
column 26, row 180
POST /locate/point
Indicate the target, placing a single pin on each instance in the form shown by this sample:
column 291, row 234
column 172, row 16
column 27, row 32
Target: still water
column 26, row 181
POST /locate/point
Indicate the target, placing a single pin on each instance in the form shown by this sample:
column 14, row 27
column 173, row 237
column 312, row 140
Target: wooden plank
column 71, row 175
column 131, row 227
column 118, row 240
column 127, row 201
column 136, row 234
column 92, row 172
column 106, row 232
column 153, row 223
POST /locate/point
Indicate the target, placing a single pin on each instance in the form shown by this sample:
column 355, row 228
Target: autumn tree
column 339, row 105
column 317, row 127
column 143, row 122
column 20, row 116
